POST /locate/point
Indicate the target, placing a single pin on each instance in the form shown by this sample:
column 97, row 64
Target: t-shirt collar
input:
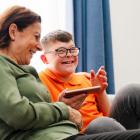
column 73, row 80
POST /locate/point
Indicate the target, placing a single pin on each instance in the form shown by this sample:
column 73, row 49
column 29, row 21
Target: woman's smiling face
column 25, row 43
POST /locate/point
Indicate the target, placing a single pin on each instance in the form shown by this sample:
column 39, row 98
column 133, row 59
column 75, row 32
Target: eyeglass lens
column 62, row 52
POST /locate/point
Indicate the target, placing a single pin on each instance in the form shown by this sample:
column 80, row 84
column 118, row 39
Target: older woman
column 24, row 102
column 26, row 112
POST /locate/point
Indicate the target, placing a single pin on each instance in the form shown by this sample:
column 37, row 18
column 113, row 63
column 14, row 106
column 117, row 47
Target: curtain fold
column 92, row 33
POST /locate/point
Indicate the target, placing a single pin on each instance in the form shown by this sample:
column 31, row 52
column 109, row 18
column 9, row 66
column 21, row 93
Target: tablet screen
column 88, row 90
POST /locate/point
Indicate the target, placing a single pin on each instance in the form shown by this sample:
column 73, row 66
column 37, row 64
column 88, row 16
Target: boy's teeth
column 68, row 62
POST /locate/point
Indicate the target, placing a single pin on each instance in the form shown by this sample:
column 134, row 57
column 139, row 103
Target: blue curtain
column 92, row 33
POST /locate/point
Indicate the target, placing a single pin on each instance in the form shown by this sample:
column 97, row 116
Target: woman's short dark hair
column 19, row 15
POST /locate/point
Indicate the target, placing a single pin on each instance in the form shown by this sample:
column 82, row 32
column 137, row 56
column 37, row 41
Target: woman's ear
column 44, row 59
column 12, row 31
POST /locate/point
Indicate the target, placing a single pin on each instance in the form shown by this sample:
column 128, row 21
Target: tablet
column 88, row 90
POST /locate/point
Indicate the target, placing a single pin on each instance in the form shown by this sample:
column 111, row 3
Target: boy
column 61, row 57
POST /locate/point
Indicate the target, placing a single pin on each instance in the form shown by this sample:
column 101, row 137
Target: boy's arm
column 100, row 79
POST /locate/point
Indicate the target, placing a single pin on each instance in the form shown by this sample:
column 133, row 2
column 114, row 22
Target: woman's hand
column 75, row 101
column 75, row 117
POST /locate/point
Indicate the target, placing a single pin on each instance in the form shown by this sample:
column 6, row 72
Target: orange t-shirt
column 89, row 109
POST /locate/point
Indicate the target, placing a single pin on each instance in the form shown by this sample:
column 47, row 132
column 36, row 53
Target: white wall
column 56, row 14
column 125, row 20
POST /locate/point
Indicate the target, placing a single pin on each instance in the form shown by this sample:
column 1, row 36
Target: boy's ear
column 44, row 59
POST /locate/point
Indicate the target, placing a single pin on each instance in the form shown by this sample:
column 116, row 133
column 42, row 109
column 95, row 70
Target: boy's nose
column 68, row 53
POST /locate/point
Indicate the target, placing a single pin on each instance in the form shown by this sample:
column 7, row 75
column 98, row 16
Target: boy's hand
column 100, row 78
column 75, row 102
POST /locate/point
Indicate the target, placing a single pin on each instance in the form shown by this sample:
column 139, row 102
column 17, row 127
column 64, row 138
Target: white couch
column 111, row 97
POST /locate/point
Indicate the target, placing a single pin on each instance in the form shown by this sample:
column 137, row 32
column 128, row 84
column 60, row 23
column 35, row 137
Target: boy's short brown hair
column 57, row 35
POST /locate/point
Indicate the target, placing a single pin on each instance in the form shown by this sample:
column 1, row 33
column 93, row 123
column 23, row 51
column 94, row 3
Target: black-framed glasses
column 62, row 52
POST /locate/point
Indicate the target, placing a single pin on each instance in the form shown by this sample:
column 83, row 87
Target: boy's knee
column 104, row 124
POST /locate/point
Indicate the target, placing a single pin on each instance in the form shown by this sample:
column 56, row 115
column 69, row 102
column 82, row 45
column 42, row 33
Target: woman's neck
column 5, row 52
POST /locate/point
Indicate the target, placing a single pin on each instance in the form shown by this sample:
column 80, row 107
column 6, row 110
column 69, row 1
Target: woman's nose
column 39, row 47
